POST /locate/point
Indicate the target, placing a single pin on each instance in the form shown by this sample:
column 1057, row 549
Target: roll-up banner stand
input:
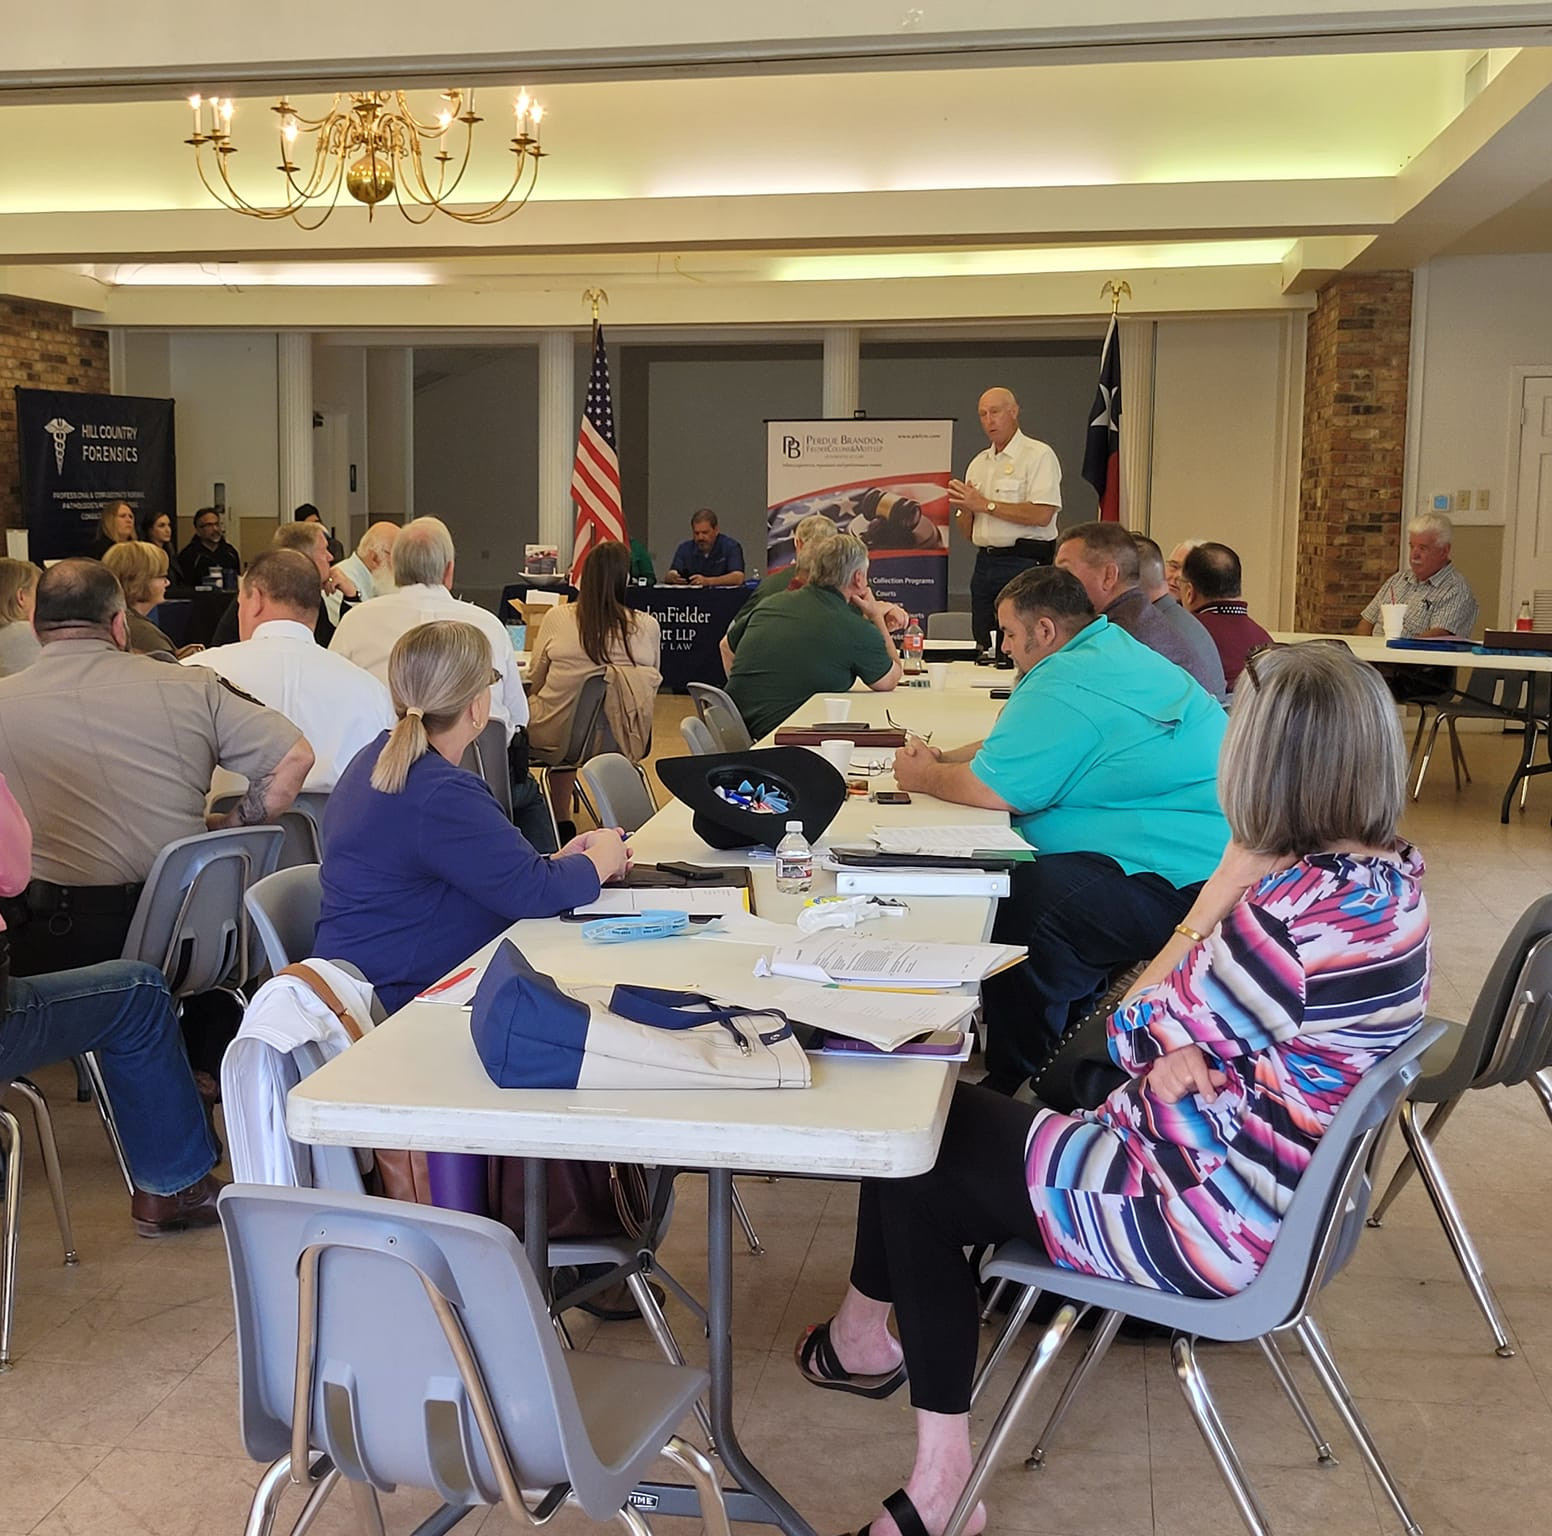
column 80, row 453
column 886, row 481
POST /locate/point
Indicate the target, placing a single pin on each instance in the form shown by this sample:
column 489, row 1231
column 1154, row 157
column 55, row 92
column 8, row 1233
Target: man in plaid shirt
column 1438, row 600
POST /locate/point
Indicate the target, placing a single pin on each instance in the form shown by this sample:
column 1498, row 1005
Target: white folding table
column 416, row 1081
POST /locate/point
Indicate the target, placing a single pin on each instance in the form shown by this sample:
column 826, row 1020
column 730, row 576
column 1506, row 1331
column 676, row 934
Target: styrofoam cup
column 838, row 708
column 1393, row 619
column 837, row 753
column 937, row 673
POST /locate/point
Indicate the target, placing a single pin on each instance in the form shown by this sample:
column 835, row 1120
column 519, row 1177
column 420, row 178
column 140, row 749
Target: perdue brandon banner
column 81, row 452
column 886, row 481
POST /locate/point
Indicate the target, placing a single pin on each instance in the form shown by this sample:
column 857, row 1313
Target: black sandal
column 817, row 1360
column 900, row 1509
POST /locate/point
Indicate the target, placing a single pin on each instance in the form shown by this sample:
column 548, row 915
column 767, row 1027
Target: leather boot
column 157, row 1215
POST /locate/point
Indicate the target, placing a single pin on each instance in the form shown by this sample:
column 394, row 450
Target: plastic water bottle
column 794, row 861
column 911, row 648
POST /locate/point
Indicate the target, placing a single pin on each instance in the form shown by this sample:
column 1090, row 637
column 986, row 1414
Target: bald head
column 999, row 414
column 376, row 547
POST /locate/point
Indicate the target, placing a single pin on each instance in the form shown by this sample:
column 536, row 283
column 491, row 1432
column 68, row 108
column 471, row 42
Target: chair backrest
column 284, row 908
column 1499, row 690
column 618, row 791
column 409, row 1317
column 190, row 920
column 486, row 755
column 1524, row 1043
column 585, row 716
column 1500, row 1002
column 949, row 626
column 720, row 716
column 697, row 738
column 1331, row 1199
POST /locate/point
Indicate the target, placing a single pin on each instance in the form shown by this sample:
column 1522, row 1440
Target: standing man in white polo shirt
column 1006, row 505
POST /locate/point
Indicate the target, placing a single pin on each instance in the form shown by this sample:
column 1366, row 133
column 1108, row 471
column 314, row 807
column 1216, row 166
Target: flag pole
column 1115, row 291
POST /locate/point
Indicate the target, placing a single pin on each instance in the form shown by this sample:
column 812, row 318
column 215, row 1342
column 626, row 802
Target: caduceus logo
column 59, row 429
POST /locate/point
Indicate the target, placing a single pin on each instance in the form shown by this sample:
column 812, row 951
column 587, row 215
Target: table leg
column 536, row 1218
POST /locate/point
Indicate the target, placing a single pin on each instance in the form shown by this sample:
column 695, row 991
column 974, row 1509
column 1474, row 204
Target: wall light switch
column 1442, row 503
column 1482, row 499
column 1462, row 501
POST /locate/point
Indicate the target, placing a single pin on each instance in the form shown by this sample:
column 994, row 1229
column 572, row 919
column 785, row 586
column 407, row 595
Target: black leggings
column 912, row 1235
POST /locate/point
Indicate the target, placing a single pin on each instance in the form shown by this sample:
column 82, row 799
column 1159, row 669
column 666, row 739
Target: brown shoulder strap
column 326, row 995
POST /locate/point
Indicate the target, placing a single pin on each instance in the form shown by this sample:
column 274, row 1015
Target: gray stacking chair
column 284, row 909
column 10, row 1134
column 301, row 823
column 486, row 755
column 1316, row 1238
column 618, row 790
column 697, row 738
column 1506, row 1041
column 1508, row 697
column 190, row 922
column 720, row 716
column 397, row 1345
column 949, row 626
column 586, row 716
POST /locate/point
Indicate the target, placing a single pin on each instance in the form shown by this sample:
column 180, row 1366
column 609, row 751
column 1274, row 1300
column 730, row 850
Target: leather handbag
column 586, row 1200
column 1079, row 1074
column 530, row 1032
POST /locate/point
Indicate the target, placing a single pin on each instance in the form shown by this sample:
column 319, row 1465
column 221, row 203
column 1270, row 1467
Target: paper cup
column 838, row 709
column 838, row 754
column 937, row 673
column 1392, row 618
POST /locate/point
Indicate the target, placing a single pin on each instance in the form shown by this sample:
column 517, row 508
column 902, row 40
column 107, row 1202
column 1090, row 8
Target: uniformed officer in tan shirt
column 110, row 756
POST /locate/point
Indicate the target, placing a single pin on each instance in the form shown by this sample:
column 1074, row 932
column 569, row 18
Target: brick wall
column 1355, row 392
column 40, row 349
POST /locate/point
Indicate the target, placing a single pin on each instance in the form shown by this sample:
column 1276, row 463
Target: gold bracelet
column 1189, row 933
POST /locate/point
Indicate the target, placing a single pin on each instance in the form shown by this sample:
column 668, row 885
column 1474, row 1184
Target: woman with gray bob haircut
column 1302, row 963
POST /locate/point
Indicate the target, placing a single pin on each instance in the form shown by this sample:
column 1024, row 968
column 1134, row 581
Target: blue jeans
column 120, row 1009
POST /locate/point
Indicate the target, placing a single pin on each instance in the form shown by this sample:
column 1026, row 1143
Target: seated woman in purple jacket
column 420, row 864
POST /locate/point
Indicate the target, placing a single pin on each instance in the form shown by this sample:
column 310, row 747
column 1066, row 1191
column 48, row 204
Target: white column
column 842, row 369
column 294, row 376
column 557, row 440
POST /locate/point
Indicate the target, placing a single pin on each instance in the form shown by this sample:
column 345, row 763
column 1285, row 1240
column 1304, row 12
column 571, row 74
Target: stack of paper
column 699, row 900
column 964, row 842
column 888, row 963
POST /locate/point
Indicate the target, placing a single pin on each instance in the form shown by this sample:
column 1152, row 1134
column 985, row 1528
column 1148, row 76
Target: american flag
column 595, row 478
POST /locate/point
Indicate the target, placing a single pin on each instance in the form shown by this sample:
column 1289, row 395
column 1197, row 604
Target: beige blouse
column 560, row 665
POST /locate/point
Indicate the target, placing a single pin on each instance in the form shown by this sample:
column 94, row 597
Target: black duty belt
column 45, row 899
column 1041, row 551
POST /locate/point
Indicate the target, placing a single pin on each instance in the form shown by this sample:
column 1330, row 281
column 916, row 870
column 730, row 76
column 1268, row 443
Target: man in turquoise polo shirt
column 819, row 639
column 1106, row 757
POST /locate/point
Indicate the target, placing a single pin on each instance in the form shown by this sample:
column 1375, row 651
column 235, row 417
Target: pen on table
column 862, row 986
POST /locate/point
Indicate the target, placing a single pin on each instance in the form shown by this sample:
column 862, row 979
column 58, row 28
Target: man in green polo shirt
column 818, row 639
column 1106, row 757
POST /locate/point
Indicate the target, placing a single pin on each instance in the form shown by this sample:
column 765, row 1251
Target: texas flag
column 1102, row 452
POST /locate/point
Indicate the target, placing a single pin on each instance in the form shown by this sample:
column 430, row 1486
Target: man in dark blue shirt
column 707, row 558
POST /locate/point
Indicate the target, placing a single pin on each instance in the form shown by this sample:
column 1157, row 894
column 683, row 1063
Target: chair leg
column 369, row 1513
column 714, row 1515
column 1194, row 1386
column 999, row 1287
column 1099, row 1347
column 1408, row 1164
column 43, row 1123
column 1279, row 1365
column 327, row 1482
column 1458, row 756
column 267, row 1496
column 1454, row 1225
column 1320, row 1357
column 10, row 1230
column 83, row 1084
column 105, row 1109
column 663, row 1335
column 1041, row 1358
column 633, row 1521
column 1013, row 1325
column 1422, row 767
column 751, row 1237
column 1542, row 1083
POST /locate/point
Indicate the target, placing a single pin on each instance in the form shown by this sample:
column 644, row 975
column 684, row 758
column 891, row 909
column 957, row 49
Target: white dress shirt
column 367, row 633
column 336, row 706
column 1025, row 470
column 369, row 583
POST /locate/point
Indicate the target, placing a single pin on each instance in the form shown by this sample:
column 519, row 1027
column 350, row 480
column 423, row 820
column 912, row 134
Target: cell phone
column 891, row 797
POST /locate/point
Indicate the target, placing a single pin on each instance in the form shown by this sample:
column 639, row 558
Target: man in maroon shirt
column 1209, row 587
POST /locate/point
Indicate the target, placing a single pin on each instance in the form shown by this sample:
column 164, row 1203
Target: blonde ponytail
column 435, row 672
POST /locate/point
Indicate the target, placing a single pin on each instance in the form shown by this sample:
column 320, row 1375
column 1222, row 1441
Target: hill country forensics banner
column 81, row 452
column 886, row 481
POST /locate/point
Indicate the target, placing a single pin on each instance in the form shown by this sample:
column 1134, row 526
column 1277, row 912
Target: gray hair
column 379, row 539
column 1313, row 755
column 836, row 562
column 809, row 535
column 1436, row 526
column 422, row 552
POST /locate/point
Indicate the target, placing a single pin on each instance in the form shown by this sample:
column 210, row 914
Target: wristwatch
column 991, row 506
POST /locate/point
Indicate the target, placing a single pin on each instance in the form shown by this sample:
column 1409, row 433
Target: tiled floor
column 119, row 1417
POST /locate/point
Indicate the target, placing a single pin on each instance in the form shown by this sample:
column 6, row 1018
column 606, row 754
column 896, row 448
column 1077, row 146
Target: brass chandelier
column 371, row 145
